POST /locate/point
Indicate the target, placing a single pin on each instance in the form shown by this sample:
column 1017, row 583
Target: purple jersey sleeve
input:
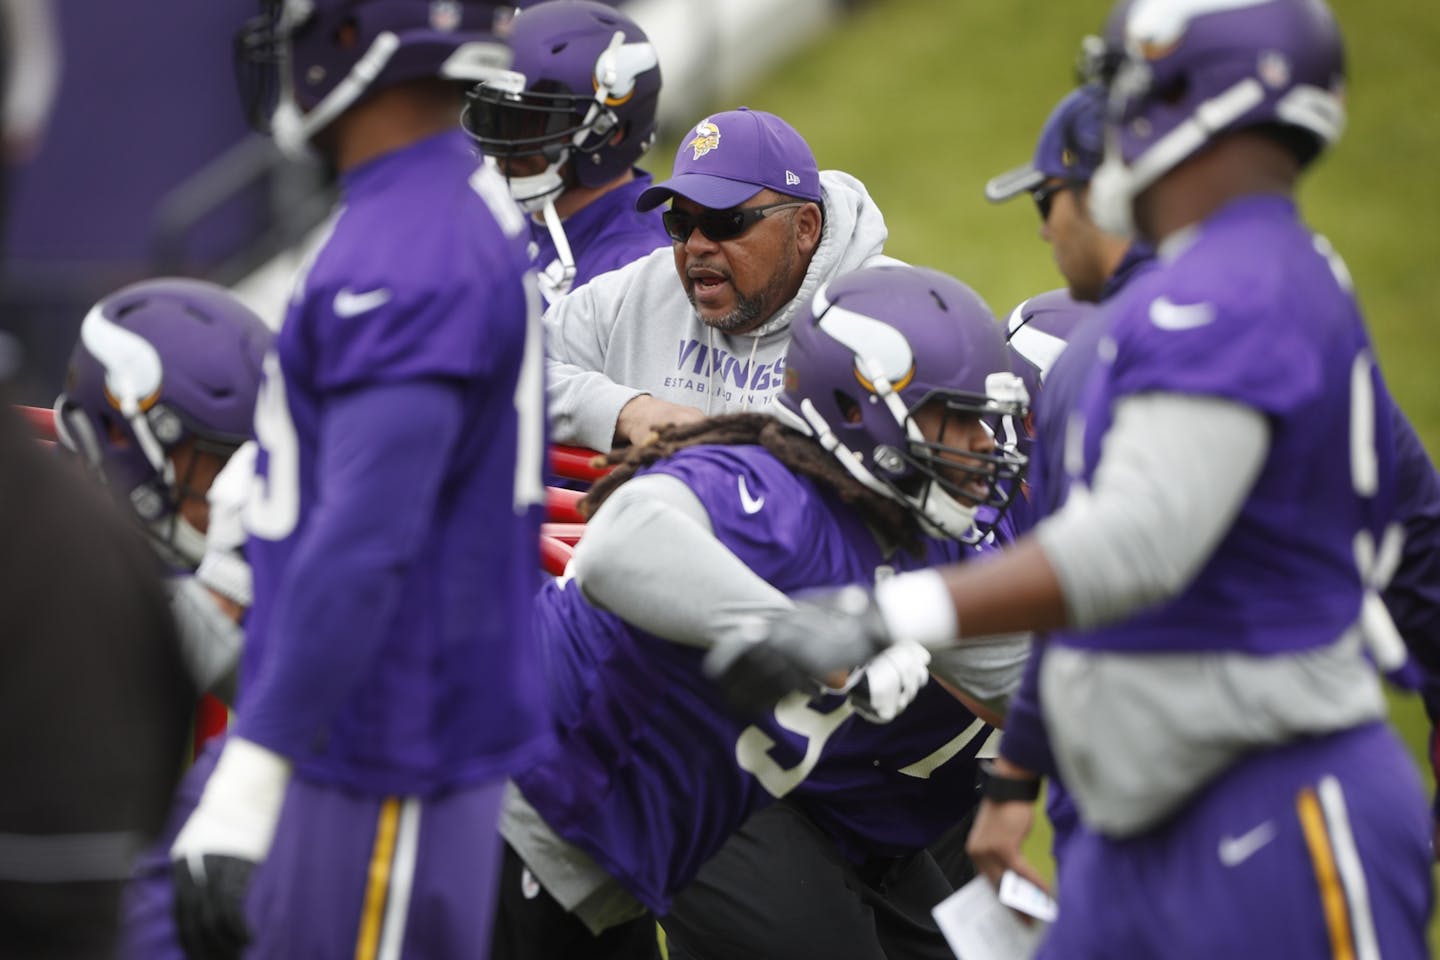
column 1413, row 596
column 1025, row 742
column 380, row 478
column 394, row 523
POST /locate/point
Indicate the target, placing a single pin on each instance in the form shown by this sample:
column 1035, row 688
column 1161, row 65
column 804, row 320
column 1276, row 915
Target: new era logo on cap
column 791, row 178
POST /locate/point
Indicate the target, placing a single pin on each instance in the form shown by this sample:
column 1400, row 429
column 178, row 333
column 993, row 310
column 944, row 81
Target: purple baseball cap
column 729, row 157
column 1071, row 144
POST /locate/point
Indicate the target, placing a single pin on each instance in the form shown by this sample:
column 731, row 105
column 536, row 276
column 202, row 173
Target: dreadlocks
column 802, row 454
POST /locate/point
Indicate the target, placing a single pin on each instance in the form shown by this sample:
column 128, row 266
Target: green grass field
column 926, row 99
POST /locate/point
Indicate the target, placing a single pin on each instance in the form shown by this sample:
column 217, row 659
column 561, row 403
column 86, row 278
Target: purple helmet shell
column 1194, row 70
column 581, row 72
column 302, row 63
column 1036, row 332
column 160, row 363
column 879, row 344
column 1038, row 329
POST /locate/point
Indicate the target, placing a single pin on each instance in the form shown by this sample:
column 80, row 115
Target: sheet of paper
column 1021, row 894
column 977, row 926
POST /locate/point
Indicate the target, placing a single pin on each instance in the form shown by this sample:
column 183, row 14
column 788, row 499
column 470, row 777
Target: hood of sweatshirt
column 854, row 233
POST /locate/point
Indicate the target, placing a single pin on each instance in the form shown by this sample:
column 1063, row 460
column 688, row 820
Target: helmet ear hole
column 166, row 424
column 849, row 407
column 1175, row 91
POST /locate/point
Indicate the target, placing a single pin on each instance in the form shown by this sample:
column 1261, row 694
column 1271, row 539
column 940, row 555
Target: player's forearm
column 1173, row 475
column 379, row 480
column 1025, row 742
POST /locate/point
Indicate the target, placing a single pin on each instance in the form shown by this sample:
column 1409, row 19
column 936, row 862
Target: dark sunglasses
column 1044, row 196
column 720, row 225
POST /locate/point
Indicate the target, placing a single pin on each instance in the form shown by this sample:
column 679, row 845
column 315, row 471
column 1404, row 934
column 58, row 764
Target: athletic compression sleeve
column 649, row 557
column 1175, row 470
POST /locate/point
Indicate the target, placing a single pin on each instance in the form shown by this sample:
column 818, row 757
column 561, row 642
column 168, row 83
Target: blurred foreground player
column 95, row 702
column 386, row 686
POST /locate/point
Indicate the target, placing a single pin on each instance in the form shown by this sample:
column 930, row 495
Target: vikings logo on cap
column 707, row 138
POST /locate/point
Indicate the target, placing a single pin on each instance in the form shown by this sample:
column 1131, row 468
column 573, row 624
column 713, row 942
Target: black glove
column 210, row 905
column 216, row 851
column 827, row 632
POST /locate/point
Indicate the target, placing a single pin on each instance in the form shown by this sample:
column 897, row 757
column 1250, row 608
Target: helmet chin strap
column 536, row 194
column 555, row 287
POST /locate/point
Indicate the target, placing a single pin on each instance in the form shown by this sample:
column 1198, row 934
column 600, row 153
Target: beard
column 755, row 309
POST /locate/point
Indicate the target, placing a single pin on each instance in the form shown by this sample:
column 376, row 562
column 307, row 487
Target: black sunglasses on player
column 718, row 225
column 1044, row 196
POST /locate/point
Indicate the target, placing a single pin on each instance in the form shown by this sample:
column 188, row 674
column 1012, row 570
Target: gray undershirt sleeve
column 650, row 557
column 1174, row 471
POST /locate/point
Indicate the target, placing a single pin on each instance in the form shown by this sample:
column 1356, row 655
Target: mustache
column 694, row 269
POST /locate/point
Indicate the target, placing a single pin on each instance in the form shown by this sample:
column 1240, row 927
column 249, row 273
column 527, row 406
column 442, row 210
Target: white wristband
column 240, row 807
column 917, row 607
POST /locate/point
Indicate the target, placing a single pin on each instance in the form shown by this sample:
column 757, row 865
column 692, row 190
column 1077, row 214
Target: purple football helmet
column 1038, row 329
column 1036, row 332
column 158, row 364
column 582, row 71
column 1194, row 70
column 879, row 344
column 302, row 63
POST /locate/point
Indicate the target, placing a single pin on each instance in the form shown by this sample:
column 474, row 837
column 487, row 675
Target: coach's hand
column 828, row 632
column 222, row 843
column 644, row 415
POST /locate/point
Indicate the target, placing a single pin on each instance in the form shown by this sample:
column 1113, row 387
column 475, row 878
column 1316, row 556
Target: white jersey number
column 530, row 407
column 273, row 508
column 794, row 713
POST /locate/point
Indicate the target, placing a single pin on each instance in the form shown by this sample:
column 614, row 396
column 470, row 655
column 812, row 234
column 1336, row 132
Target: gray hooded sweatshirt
column 633, row 331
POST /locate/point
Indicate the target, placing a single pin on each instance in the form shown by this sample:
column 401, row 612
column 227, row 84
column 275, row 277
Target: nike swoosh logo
column 351, row 304
column 1236, row 850
column 748, row 503
column 1180, row 316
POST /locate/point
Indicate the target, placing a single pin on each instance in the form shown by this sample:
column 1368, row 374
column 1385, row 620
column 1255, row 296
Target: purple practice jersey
column 653, row 771
column 1062, row 387
column 1258, row 311
column 422, row 280
column 603, row 236
column 887, row 790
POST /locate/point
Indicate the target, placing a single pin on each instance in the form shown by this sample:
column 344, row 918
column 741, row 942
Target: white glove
column 890, row 681
column 224, row 568
column 218, row 849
